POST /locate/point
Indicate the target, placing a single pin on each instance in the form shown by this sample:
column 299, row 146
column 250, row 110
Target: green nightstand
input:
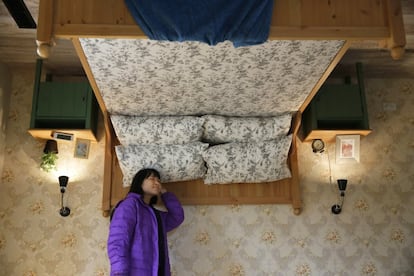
column 337, row 109
column 64, row 107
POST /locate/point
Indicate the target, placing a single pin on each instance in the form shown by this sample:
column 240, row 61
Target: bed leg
column 295, row 185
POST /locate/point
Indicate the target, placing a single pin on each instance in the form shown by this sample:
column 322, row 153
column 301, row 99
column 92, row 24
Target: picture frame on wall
column 347, row 148
column 82, row 147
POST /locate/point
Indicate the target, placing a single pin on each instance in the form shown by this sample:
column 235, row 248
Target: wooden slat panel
column 343, row 13
column 285, row 13
column 321, row 33
column 311, row 18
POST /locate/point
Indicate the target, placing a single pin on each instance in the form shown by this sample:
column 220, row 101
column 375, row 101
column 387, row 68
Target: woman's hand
column 162, row 189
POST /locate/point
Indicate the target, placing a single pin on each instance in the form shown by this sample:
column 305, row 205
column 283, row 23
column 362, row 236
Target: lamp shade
column 342, row 184
column 63, row 181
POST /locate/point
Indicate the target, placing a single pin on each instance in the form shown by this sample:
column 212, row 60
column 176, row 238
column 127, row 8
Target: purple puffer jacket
column 133, row 238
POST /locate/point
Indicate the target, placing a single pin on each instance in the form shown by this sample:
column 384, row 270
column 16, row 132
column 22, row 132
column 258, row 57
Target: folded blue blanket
column 244, row 22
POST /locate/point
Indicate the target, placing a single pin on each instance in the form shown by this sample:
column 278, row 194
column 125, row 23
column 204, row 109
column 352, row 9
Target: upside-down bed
column 219, row 122
column 229, row 109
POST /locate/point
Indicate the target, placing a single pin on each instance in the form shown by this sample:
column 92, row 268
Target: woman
column 137, row 242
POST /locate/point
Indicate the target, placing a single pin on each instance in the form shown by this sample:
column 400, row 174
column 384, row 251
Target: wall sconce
column 337, row 208
column 63, row 182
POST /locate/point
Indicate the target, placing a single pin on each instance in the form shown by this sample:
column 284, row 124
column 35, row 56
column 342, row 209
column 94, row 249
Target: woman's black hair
column 140, row 176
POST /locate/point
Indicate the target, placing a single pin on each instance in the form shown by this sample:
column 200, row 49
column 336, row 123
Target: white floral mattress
column 144, row 77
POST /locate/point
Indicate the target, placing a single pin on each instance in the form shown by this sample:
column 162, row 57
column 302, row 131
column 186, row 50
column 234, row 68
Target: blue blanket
column 244, row 22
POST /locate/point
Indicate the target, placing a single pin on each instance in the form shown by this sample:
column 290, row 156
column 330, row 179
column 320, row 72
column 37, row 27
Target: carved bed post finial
column 397, row 52
column 43, row 49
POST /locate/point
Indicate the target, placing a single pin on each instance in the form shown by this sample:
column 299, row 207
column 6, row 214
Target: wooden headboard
column 353, row 20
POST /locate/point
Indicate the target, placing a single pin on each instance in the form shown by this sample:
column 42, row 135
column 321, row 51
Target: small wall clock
column 318, row 146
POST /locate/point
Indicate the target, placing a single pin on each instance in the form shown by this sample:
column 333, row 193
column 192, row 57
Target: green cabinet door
column 339, row 102
column 63, row 100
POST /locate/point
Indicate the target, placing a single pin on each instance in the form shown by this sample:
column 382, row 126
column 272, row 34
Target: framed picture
column 82, row 148
column 347, row 148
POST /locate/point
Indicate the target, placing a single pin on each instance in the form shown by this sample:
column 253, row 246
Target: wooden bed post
column 108, row 174
column 109, row 143
column 44, row 39
column 396, row 41
column 293, row 160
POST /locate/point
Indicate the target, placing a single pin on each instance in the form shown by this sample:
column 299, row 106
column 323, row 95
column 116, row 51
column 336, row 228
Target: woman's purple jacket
column 133, row 235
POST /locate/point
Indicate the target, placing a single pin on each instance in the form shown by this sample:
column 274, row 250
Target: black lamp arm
column 63, row 182
column 337, row 208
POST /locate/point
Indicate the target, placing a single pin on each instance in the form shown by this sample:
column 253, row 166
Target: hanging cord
column 329, row 165
column 340, row 196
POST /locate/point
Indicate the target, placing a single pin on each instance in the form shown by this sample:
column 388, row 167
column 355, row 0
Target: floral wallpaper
column 34, row 239
column 146, row 77
column 4, row 107
column 374, row 234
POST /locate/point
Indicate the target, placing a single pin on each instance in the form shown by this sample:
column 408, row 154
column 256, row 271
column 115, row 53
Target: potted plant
column 49, row 156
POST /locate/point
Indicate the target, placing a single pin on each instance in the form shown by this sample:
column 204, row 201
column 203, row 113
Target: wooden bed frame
column 352, row 20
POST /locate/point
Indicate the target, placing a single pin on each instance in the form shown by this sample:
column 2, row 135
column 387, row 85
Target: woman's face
column 151, row 185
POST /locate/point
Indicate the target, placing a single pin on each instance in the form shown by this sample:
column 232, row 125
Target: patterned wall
column 374, row 235
column 145, row 77
column 4, row 107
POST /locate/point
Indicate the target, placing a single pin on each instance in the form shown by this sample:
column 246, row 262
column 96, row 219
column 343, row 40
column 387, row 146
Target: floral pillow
column 174, row 162
column 220, row 129
column 160, row 130
column 250, row 162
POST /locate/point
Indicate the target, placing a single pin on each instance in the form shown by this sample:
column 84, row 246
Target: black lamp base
column 64, row 211
column 336, row 209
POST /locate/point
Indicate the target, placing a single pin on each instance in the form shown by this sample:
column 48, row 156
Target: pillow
column 160, row 130
column 220, row 129
column 174, row 162
column 251, row 162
